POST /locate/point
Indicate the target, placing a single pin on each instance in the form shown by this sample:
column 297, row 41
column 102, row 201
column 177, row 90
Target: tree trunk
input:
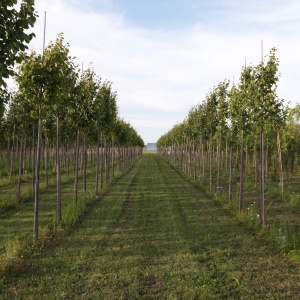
column 46, row 160
column 241, row 194
column 69, row 159
column 12, row 155
column 255, row 163
column 280, row 164
column 246, row 163
column 211, row 161
column 33, row 158
column 37, row 176
column 113, row 157
column 20, row 165
column 262, row 180
column 195, row 159
column 267, row 162
column 101, row 161
column 219, row 162
column 84, row 160
column 181, row 157
column 230, row 175
column 199, row 159
column 76, row 163
column 97, row 166
column 107, row 162
column 203, row 162
column 226, row 158
column 58, row 174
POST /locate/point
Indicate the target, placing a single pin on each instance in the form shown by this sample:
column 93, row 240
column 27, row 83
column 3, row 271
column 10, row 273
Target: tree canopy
column 15, row 20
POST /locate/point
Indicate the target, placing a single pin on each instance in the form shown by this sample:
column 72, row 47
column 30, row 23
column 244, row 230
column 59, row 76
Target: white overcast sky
column 163, row 56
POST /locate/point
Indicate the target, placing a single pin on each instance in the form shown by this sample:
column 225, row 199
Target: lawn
column 154, row 235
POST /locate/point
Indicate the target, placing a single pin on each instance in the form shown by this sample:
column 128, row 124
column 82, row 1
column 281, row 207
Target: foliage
column 13, row 25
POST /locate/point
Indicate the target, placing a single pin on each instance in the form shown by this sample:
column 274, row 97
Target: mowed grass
column 156, row 236
column 17, row 223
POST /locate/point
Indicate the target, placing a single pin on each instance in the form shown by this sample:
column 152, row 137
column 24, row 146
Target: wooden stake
column 44, row 39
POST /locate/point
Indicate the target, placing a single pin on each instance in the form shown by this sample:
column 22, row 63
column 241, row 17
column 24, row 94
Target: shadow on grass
column 156, row 236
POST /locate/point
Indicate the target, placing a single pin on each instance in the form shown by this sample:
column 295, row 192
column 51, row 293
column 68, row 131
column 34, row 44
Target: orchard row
column 58, row 106
column 240, row 134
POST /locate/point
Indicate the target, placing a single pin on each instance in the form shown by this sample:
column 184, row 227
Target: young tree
column 211, row 113
column 20, row 115
column 32, row 79
column 240, row 117
column 267, row 110
column 105, row 114
column 61, row 79
column 222, row 116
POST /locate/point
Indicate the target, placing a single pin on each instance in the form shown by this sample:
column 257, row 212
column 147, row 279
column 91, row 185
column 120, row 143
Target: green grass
column 16, row 219
column 279, row 209
column 157, row 236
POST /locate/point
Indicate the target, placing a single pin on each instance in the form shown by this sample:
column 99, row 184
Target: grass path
column 155, row 236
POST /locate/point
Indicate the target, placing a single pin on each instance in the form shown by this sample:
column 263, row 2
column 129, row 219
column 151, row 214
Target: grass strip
column 156, row 236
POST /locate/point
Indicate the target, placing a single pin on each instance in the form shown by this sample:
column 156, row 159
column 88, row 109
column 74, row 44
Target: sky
column 163, row 56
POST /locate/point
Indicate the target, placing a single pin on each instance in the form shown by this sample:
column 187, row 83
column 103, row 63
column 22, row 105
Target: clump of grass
column 294, row 199
column 8, row 204
column 73, row 211
column 286, row 236
column 249, row 216
column 16, row 251
column 4, row 171
column 273, row 192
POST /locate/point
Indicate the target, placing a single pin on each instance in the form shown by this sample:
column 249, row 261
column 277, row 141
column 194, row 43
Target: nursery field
column 155, row 235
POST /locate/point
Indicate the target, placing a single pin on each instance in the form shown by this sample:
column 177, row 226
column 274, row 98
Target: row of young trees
column 57, row 105
column 244, row 127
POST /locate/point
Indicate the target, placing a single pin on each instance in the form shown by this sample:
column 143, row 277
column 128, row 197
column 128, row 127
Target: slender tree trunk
column 246, row 164
column 211, row 161
column 182, row 154
column 84, row 160
column 255, row 163
column 267, row 163
column 12, row 155
column 195, row 159
column 241, row 194
column 58, row 172
column 108, row 153
column 8, row 151
column 97, row 165
column 203, row 161
column 69, row 159
column 262, row 179
column 46, row 160
column 112, row 157
column 33, row 158
column 37, row 175
column 199, row 158
column 230, row 175
column 101, row 161
column 106, row 161
column 24, row 153
column 190, row 157
column 226, row 158
column 186, row 156
column 20, row 165
column 76, row 168
column 280, row 165
column 219, row 162
column 122, row 157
